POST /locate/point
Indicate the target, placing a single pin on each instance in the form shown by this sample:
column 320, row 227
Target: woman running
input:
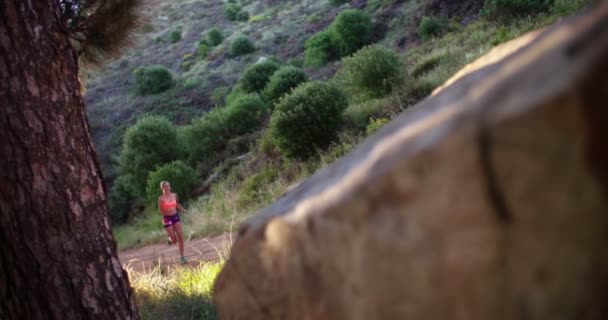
column 168, row 206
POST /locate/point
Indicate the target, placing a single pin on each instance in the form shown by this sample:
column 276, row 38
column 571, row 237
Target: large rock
column 489, row 201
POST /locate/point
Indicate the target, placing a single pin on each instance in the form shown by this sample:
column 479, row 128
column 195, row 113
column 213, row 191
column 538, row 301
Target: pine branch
column 102, row 29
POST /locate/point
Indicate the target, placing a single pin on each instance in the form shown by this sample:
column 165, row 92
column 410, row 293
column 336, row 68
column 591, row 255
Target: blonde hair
column 162, row 183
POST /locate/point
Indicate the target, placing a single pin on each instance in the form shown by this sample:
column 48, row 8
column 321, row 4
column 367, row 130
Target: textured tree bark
column 57, row 255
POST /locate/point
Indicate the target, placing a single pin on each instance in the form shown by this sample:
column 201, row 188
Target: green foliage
column 175, row 35
column 319, row 49
column 203, row 49
column 218, row 95
column 351, row 30
column 431, row 26
column 497, row 8
column 242, row 16
column 120, row 199
column 358, row 115
column 231, row 11
column 307, row 119
column 241, row 46
column 206, row 135
column 375, row 125
column 244, row 114
column 151, row 142
column 338, row 2
column 152, row 79
column 181, row 177
column 253, row 189
column 214, row 37
column 283, row 81
column 566, row 7
column 372, row 71
column 256, row 76
column 163, row 294
column 209, row 134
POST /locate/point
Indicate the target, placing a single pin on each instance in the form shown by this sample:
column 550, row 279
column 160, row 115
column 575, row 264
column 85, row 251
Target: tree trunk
column 57, row 255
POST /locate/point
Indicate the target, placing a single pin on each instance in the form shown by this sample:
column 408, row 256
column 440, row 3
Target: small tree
column 120, row 199
column 283, row 81
column 152, row 79
column 351, row 30
column 152, row 141
column 241, row 46
column 244, row 114
column 319, row 49
column 181, row 177
column 431, row 26
column 307, row 119
column 373, row 71
column 256, row 76
column 214, row 37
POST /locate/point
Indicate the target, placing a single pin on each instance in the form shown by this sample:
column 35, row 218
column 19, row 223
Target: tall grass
column 175, row 292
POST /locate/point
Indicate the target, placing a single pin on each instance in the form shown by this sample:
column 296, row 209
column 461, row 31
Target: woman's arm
column 179, row 206
column 159, row 211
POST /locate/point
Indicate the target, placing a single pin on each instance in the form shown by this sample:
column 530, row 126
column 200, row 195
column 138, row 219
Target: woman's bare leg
column 171, row 234
column 180, row 237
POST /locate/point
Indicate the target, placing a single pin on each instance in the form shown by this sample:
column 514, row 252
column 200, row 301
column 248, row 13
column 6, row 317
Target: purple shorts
column 169, row 221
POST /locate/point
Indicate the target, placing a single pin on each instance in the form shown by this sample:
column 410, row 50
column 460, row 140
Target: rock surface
column 488, row 201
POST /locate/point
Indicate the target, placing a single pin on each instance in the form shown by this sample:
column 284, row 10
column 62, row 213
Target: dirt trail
column 196, row 251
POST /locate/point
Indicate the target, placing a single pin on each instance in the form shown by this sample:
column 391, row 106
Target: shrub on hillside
column 231, row 11
column 120, row 199
column 373, row 71
column 214, row 37
column 307, row 119
column 256, row 76
column 241, row 46
column 319, row 49
column 206, row 135
column 181, row 177
column 175, row 35
column 338, row 2
column 431, row 26
column 351, row 30
column 497, row 8
column 203, row 49
column 283, row 81
column 152, row 141
column 244, row 114
column 242, row 16
column 152, row 79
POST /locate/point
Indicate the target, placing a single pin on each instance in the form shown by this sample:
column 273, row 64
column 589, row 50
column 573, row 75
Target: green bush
column 307, row 119
column 207, row 135
column 241, row 46
column 244, row 114
column 358, row 115
column 338, row 2
column 231, row 11
column 255, row 189
column 175, row 35
column 431, row 26
column 152, row 141
column 498, row 8
column 203, row 49
column 242, row 16
column 181, row 177
column 283, row 81
column 152, row 79
column 256, row 76
column 120, row 199
column 372, row 71
column 319, row 49
column 351, row 30
column 214, row 37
